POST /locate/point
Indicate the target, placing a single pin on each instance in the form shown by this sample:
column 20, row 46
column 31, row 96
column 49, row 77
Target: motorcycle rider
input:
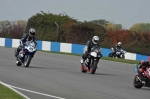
column 143, row 65
column 118, row 46
column 26, row 37
column 87, row 49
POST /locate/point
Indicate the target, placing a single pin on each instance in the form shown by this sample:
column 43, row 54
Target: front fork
column 94, row 59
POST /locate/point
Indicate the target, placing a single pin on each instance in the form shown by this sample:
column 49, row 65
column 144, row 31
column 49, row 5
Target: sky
column 125, row 12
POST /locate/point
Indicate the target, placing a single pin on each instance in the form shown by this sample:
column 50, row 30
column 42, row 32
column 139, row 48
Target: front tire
column 27, row 61
column 137, row 83
column 94, row 67
column 123, row 57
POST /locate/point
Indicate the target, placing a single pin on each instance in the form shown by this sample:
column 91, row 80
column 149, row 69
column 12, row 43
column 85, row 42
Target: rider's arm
column 23, row 39
column 115, row 48
column 88, row 46
column 144, row 64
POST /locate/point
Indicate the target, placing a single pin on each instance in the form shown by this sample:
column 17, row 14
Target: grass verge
column 6, row 93
column 103, row 58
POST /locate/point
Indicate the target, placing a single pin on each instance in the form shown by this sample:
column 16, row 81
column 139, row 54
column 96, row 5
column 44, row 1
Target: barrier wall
column 66, row 47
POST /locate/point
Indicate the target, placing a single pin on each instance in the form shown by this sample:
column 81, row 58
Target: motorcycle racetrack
column 59, row 76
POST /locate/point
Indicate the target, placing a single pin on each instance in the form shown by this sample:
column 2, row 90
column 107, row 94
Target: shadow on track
column 35, row 67
column 105, row 74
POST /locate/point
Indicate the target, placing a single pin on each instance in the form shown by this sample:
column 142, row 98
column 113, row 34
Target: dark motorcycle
column 143, row 80
column 90, row 63
column 25, row 55
column 120, row 53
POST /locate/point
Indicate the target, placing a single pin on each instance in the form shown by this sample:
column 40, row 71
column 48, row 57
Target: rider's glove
column 86, row 52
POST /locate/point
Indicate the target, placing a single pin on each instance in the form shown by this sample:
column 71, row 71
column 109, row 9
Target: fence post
column 57, row 31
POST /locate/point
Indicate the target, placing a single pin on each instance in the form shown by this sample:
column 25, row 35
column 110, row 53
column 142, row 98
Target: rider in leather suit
column 143, row 66
column 93, row 42
column 118, row 46
column 26, row 37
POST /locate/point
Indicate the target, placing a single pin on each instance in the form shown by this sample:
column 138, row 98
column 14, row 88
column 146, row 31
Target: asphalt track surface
column 59, row 75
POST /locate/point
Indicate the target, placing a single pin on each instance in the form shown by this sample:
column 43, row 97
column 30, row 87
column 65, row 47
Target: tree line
column 63, row 28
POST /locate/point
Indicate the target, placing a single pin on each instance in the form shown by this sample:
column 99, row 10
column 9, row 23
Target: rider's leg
column 83, row 58
column 18, row 50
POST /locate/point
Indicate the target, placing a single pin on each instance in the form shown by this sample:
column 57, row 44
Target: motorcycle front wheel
column 137, row 83
column 93, row 67
column 27, row 61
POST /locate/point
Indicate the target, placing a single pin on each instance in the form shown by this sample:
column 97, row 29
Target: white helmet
column 32, row 32
column 95, row 39
column 119, row 43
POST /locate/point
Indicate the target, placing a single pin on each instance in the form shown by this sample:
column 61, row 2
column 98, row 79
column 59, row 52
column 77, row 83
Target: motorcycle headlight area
column 31, row 48
column 94, row 54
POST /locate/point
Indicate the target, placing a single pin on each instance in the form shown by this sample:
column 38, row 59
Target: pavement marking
column 15, row 90
column 10, row 86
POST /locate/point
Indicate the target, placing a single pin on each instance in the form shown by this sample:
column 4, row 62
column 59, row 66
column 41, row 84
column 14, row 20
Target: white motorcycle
column 25, row 55
column 91, row 62
column 120, row 53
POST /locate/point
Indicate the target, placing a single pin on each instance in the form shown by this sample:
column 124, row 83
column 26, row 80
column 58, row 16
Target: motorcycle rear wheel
column 18, row 63
column 82, row 69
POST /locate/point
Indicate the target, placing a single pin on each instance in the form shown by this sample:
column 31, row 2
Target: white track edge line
column 33, row 91
column 14, row 90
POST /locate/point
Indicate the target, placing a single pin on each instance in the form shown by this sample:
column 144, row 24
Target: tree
column 4, row 24
column 144, row 27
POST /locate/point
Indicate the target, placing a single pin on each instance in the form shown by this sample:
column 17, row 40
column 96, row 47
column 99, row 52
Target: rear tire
column 82, row 69
column 137, row 83
column 17, row 62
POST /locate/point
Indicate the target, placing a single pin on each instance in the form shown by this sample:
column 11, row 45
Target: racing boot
column 81, row 61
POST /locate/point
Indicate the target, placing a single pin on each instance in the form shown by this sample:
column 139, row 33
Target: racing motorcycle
column 25, row 55
column 120, row 53
column 143, row 80
column 90, row 63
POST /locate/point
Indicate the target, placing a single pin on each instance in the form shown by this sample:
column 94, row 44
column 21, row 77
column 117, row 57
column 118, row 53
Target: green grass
column 6, row 93
column 103, row 58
